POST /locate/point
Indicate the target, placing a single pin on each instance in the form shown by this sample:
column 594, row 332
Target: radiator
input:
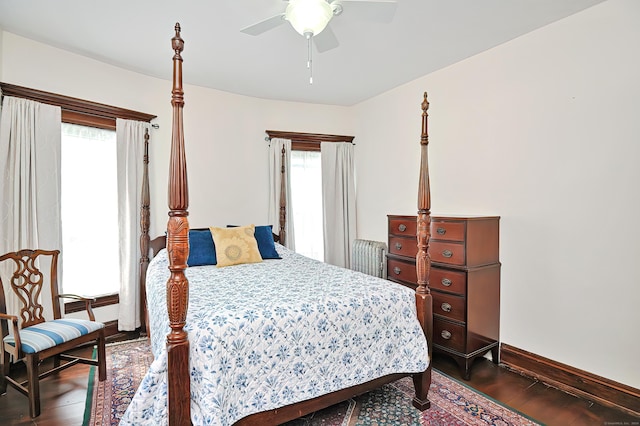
column 369, row 257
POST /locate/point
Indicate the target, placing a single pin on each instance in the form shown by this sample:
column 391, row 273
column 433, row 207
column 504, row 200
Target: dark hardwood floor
column 533, row 398
column 63, row 398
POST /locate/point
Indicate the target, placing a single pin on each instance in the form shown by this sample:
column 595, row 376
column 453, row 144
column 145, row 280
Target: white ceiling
column 424, row 36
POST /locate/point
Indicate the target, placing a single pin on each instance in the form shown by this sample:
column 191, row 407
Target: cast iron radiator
column 369, row 257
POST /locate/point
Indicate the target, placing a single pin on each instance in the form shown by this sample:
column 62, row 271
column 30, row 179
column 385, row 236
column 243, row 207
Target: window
column 306, row 197
column 95, row 116
column 306, row 189
column 89, row 198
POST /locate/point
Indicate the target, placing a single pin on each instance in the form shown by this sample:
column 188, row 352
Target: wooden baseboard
column 112, row 333
column 572, row 380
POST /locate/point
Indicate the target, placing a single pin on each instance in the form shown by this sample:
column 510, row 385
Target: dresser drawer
column 451, row 231
column 403, row 226
column 402, row 271
column 403, row 246
column 448, row 334
column 444, row 252
column 446, row 280
column 449, row 306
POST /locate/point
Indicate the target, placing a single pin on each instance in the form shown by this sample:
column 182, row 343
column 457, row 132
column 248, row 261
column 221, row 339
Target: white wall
column 224, row 133
column 542, row 131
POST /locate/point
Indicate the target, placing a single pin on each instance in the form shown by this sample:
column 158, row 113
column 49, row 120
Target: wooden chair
column 35, row 338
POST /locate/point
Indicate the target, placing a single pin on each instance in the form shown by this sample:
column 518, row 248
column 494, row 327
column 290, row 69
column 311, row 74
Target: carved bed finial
column 177, row 43
column 424, row 138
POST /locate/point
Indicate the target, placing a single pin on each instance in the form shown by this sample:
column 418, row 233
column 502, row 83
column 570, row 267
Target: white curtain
column 130, row 153
column 30, row 166
column 275, row 164
column 339, row 201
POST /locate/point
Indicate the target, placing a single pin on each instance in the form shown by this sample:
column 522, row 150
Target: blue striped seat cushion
column 51, row 333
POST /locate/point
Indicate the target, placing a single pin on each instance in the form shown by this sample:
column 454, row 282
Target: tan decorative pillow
column 236, row 245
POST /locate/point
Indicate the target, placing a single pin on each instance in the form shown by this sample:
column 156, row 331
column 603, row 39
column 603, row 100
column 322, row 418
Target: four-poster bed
column 397, row 344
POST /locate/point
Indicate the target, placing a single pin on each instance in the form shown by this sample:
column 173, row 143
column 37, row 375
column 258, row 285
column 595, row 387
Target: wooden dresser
column 464, row 281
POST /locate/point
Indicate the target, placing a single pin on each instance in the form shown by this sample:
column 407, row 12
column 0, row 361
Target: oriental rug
column 452, row 403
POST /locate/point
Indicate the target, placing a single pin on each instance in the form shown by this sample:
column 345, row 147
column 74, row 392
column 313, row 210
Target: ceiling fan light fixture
column 308, row 16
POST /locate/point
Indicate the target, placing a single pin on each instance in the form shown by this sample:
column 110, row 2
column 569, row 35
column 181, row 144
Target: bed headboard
column 160, row 242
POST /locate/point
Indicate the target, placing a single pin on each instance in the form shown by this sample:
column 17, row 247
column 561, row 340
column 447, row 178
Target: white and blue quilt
column 265, row 335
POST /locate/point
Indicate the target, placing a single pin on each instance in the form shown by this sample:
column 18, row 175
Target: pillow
column 236, row 245
column 264, row 237
column 202, row 250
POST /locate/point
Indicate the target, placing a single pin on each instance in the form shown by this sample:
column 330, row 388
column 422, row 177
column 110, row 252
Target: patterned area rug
column 452, row 403
column 127, row 363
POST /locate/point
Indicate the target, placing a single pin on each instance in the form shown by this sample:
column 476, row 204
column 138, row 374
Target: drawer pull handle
column 441, row 231
column 446, row 282
column 398, row 246
column 447, row 253
column 446, row 334
column 397, row 270
column 446, row 307
column 402, row 227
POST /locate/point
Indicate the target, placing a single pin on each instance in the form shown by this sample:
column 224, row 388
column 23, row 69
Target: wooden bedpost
column 283, row 199
column 178, row 386
column 423, row 263
column 144, row 235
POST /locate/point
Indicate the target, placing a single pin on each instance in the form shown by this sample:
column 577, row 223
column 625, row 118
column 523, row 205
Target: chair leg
column 102, row 359
column 4, row 371
column 34, row 385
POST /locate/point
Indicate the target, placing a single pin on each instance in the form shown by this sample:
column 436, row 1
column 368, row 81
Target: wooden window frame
column 84, row 113
column 307, row 141
column 75, row 110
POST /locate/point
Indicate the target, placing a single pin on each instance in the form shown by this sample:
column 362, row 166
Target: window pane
column 306, row 197
column 89, row 211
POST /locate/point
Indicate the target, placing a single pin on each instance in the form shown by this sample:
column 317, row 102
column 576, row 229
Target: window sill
column 106, row 300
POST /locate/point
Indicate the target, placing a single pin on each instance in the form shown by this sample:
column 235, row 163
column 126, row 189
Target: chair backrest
column 35, row 273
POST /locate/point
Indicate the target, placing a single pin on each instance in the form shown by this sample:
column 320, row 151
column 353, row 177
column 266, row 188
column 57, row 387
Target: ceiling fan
column 311, row 17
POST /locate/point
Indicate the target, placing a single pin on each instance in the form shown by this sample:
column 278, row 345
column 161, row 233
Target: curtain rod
column 268, row 139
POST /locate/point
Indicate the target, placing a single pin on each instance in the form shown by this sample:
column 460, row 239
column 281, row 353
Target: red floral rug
column 452, row 402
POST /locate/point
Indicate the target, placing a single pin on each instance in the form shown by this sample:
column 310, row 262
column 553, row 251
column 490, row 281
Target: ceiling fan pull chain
column 309, row 59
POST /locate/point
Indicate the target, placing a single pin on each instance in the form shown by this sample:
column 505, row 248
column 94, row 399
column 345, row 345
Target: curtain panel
column 130, row 155
column 30, row 142
column 339, row 201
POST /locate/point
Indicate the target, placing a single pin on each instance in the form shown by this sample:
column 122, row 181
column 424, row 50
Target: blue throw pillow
column 202, row 250
column 264, row 237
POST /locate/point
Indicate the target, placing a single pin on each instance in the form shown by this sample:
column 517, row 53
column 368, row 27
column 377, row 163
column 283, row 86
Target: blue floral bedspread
column 269, row 334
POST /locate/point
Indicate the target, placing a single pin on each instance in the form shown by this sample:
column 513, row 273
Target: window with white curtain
column 306, row 197
column 89, row 197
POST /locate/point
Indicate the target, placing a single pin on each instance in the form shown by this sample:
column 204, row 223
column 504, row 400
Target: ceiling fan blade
column 326, row 40
column 370, row 10
column 265, row 25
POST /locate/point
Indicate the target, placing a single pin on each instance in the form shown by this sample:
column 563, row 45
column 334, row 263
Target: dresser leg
column 464, row 365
